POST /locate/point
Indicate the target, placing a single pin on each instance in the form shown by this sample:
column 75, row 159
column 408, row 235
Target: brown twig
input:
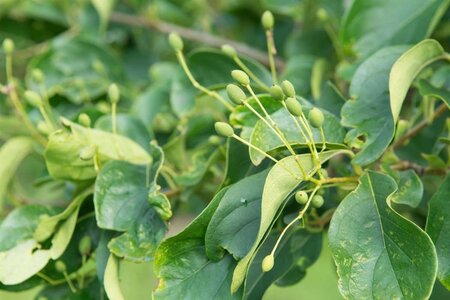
column 193, row 35
column 420, row 170
column 416, row 129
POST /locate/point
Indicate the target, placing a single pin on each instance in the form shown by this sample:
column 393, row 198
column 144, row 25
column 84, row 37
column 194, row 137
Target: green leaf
column 297, row 251
column 235, row 222
column 128, row 126
column 245, row 117
column 438, row 227
column 265, row 139
column 73, row 74
column 378, row 253
column 62, row 153
column 11, row 155
column 28, row 257
column 121, row 204
column 183, row 268
column 280, row 183
column 370, row 25
column 368, row 112
column 112, row 281
column 410, row 189
column 407, row 67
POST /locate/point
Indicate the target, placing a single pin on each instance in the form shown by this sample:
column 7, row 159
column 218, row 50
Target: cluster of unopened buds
column 285, row 94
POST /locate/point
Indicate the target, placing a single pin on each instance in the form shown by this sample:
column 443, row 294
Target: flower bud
column 8, row 46
column 229, row 50
column 301, row 197
column 114, row 93
column 37, row 75
column 315, row 118
column 84, row 120
column 288, row 88
column 277, row 93
column 175, row 41
column 241, row 77
column 267, row 20
column 215, row 140
column 293, row 106
column 33, row 98
column 236, row 94
column 60, row 266
column 317, row 201
column 84, row 247
column 224, row 129
column 322, row 14
column 267, row 263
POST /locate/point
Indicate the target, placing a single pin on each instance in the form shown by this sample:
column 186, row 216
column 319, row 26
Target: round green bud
column 87, row 153
column 43, row 128
column 224, row 129
column 301, row 197
column 60, row 266
column 322, row 14
column 84, row 120
column 293, row 106
column 267, row 263
column 33, row 98
column 8, row 46
column 175, row 41
column 267, row 20
column 113, row 93
column 315, row 118
column 241, row 77
column 317, row 201
column 321, row 192
column 37, row 75
column 84, row 247
column 236, row 94
column 288, row 88
column 276, row 92
column 323, row 173
column 229, row 50
column 215, row 140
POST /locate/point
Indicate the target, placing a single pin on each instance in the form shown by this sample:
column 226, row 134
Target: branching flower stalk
column 231, row 52
column 8, row 49
column 177, row 44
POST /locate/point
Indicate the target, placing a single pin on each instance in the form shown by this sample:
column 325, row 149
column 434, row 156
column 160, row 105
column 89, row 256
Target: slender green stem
column 17, row 104
column 299, row 217
column 277, row 130
column 113, row 117
column 69, row 282
column 265, row 154
column 271, row 50
column 308, row 142
column 198, row 86
column 81, row 280
column 255, row 78
column 46, row 117
column 324, row 145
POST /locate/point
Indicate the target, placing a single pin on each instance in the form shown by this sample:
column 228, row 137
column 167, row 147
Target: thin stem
column 198, row 86
column 271, row 51
column 255, row 78
column 17, row 104
column 416, row 129
column 308, row 142
column 69, row 282
column 46, row 117
column 113, row 117
column 300, row 216
column 274, row 128
column 324, row 145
